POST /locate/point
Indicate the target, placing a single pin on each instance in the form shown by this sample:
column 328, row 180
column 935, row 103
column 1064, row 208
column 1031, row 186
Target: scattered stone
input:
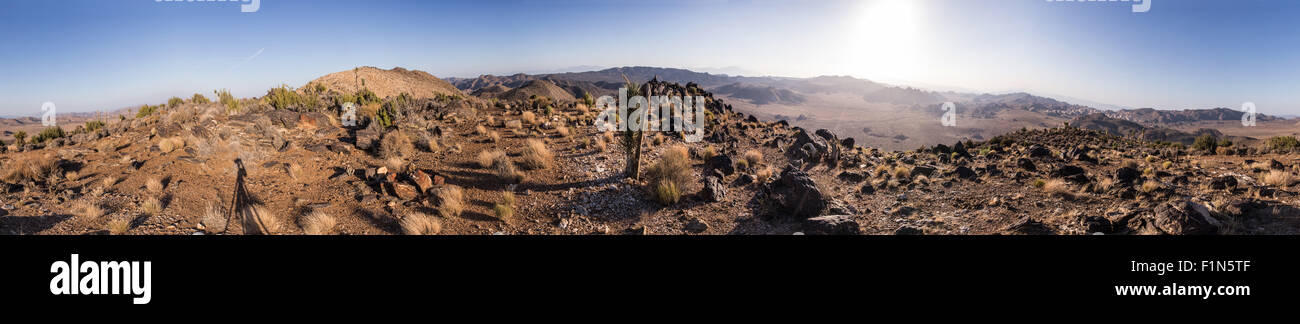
column 908, row 230
column 796, row 194
column 713, row 190
column 1223, row 182
column 1184, row 217
column 697, row 225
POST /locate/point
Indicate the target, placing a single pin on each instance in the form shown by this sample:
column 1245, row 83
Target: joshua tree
column 632, row 138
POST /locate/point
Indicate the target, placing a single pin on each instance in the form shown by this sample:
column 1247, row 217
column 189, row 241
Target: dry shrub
column 535, row 155
column 494, row 137
column 87, row 210
column 529, row 117
column 1279, row 178
column 506, row 170
column 480, row 130
column 167, row 145
column 763, row 174
column 669, row 176
column 505, row 209
column 30, row 168
column 742, row 164
column 396, row 143
column 257, row 220
column 491, row 121
column 708, row 152
column 608, row 136
column 71, row 175
column 1105, row 185
column 1150, row 186
column 396, row 163
column 881, row 170
column 754, row 158
column 601, row 144
column 486, row 158
column 109, row 181
column 214, row 219
column 562, row 131
column 153, row 185
column 902, row 172
column 318, row 223
column 658, row 139
column 118, row 225
column 1129, row 164
column 1057, row 187
column 420, row 224
column 449, row 200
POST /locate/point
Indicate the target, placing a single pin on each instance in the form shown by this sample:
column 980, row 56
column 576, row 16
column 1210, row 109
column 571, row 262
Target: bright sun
column 884, row 40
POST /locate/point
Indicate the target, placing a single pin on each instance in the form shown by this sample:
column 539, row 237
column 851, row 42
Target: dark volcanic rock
column 802, row 140
column 853, row 176
column 908, row 230
column 964, row 172
column 1223, row 182
column 924, row 170
column 283, row 118
column 831, row 225
column 722, row 163
column 366, row 139
column 1184, row 218
column 797, row 195
column 1038, row 151
column 1127, row 175
column 713, row 190
column 1026, row 164
column 1067, row 171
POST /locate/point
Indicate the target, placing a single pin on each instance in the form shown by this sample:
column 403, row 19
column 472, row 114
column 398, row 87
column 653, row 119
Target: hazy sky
column 88, row 55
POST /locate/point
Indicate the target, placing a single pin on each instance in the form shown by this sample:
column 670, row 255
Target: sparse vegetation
column 48, row 133
column 449, row 200
column 396, row 144
column 1058, row 188
column 535, row 155
column 224, row 97
column 88, row 210
column 1206, row 142
column 754, row 158
column 420, row 224
column 1282, row 143
column 669, row 176
column 174, row 102
column 154, row 185
column 1150, row 186
column 30, row 167
column 318, row 223
column 151, row 206
column 505, row 209
column 199, row 99
column 145, row 111
column 488, row 158
column 118, row 225
column 1278, row 178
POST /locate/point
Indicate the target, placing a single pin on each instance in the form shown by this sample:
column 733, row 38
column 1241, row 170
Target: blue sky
column 89, row 55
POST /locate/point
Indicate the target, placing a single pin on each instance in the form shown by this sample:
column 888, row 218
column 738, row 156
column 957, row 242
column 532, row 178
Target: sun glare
column 884, row 42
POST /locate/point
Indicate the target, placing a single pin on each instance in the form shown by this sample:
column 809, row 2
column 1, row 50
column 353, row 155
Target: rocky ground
column 175, row 173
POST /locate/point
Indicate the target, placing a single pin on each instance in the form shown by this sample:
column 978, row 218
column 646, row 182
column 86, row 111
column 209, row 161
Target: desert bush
column 214, row 219
column 175, row 101
column 494, row 137
column 1105, row 185
column 505, row 209
column 1167, row 165
column 167, row 145
column 318, row 223
column 480, row 130
column 763, row 174
column 449, row 200
column 145, row 111
column 535, row 155
column 294, row 170
column 20, row 137
column 94, row 125
column 562, row 131
column 902, row 172
column 199, row 99
column 1039, row 183
column 224, row 97
column 1278, row 178
column 1283, row 143
column 658, row 139
column 529, row 117
column 742, row 164
column 708, row 152
column 48, row 133
column 420, row 224
column 668, row 177
column 396, row 144
column 1206, row 142
column 284, row 97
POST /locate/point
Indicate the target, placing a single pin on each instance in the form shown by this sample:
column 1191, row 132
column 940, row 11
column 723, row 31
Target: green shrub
column 199, row 99
column 48, row 133
column 1283, row 143
column 227, row 100
column 175, row 101
column 94, row 125
column 20, row 137
column 384, row 116
column 283, row 97
column 145, row 111
column 1206, row 142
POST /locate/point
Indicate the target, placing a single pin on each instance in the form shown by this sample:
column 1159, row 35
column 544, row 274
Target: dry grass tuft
column 318, row 223
column 118, row 225
column 154, row 185
column 420, row 224
column 257, row 220
column 486, row 158
column 669, row 176
column 1150, row 186
column 754, row 158
column 494, row 137
column 214, row 219
column 505, row 209
column 396, row 144
column 1057, row 187
column 449, row 200
column 151, row 206
column 562, row 131
column 167, row 145
column 30, row 168
column 294, row 170
column 529, row 117
column 87, row 210
column 535, row 155
column 480, row 130
column 902, row 172
column 71, row 175
column 764, row 174
column 1105, row 185
column 1279, row 178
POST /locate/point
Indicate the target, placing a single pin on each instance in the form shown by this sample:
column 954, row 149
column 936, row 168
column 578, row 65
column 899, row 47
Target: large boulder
column 1223, row 182
column 283, row 118
column 367, row 139
column 722, row 163
column 713, row 190
column 831, row 225
column 1127, row 175
column 796, row 194
column 810, row 148
column 1184, row 217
